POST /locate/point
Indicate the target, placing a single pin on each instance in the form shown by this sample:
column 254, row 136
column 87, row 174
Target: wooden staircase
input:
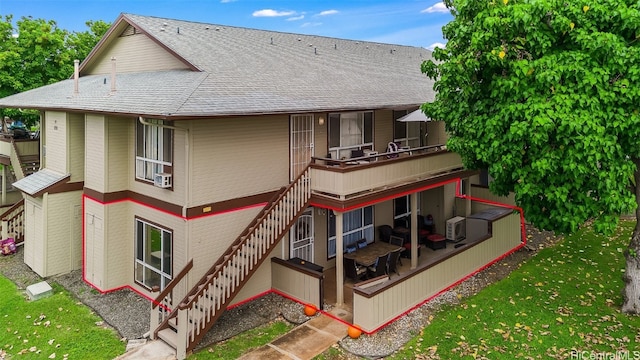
column 184, row 325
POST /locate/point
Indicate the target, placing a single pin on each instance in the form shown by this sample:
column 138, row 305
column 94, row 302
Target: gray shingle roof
column 248, row 71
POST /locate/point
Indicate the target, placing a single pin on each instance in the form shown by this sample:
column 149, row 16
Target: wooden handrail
column 12, row 209
column 172, row 284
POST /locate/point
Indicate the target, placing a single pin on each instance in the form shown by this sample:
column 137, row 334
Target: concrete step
column 39, row 290
column 169, row 336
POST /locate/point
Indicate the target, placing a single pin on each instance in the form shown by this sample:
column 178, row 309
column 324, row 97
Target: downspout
column 187, row 187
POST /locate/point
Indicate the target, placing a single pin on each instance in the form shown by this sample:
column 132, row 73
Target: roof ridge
column 133, row 16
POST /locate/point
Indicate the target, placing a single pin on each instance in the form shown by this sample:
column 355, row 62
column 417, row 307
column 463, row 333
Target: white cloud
column 310, row 24
column 435, row 45
column 226, row 1
column 437, row 8
column 328, row 12
column 272, row 13
column 296, row 18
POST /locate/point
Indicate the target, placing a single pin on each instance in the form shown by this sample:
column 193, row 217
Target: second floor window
column 406, row 133
column 154, row 149
column 350, row 131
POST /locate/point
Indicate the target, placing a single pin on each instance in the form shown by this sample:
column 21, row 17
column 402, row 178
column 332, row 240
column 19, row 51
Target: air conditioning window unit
column 162, row 180
column 456, row 228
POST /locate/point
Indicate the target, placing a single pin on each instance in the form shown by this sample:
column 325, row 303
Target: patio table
column 368, row 255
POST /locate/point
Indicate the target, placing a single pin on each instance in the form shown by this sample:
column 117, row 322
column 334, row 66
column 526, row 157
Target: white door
column 300, row 144
column 301, row 237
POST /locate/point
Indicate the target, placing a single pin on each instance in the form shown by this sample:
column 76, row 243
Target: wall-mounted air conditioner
column 162, row 180
column 456, row 228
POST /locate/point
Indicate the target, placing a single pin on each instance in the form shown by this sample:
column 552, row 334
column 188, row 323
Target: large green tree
column 545, row 94
column 35, row 52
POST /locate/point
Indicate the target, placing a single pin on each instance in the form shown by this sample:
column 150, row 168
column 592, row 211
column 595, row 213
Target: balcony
column 338, row 182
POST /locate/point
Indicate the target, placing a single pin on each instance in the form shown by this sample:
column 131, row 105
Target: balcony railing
column 346, row 178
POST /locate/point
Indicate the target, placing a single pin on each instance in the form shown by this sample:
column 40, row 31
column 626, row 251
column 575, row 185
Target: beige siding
column 119, row 152
column 260, row 282
column 34, row 234
column 320, row 239
column 63, row 233
column 95, row 250
column 383, row 129
column 238, row 157
column 95, row 134
column 134, row 53
column 209, row 238
column 119, row 245
column 320, row 135
column 56, row 141
column 298, row 285
column 75, row 145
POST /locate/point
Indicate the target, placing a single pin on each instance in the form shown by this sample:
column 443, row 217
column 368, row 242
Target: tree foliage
column 36, row 52
column 545, row 94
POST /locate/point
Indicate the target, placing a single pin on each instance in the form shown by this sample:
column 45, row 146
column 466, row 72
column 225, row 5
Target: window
column 153, row 255
column 154, row 149
column 356, row 224
column 402, row 209
column 349, row 131
column 406, row 133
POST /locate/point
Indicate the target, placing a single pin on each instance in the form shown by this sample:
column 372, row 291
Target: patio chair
column 380, row 267
column 398, row 241
column 350, row 248
column 361, row 243
column 385, row 231
column 394, row 261
column 353, row 271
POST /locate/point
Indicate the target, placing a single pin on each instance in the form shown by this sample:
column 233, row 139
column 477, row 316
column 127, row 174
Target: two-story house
column 214, row 164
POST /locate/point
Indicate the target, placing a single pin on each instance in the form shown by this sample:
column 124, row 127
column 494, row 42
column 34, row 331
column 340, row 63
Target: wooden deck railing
column 185, row 326
column 164, row 302
column 13, row 222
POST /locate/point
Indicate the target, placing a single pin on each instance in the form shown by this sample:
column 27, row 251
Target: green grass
column 562, row 303
column 238, row 345
column 53, row 325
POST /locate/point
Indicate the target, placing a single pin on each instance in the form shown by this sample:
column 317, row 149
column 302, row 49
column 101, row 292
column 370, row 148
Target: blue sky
column 404, row 22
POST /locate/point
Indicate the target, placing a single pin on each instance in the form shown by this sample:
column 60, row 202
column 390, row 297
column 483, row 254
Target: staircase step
column 169, row 336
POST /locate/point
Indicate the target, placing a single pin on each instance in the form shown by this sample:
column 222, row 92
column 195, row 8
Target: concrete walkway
column 303, row 342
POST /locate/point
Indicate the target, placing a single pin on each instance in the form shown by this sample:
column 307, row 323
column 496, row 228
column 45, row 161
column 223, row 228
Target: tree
column 545, row 94
column 37, row 53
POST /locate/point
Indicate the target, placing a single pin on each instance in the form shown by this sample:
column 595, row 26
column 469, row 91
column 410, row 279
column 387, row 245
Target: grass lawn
column 562, row 303
column 55, row 327
column 239, row 344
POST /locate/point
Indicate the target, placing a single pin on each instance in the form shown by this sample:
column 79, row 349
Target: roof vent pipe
column 76, row 75
column 113, row 75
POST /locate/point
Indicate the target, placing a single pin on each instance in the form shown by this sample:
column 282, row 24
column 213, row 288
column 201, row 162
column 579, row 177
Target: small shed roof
column 38, row 183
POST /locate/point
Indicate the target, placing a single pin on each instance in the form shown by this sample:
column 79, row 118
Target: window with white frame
column 154, row 149
column 350, row 131
column 153, row 266
column 406, row 133
column 356, row 224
